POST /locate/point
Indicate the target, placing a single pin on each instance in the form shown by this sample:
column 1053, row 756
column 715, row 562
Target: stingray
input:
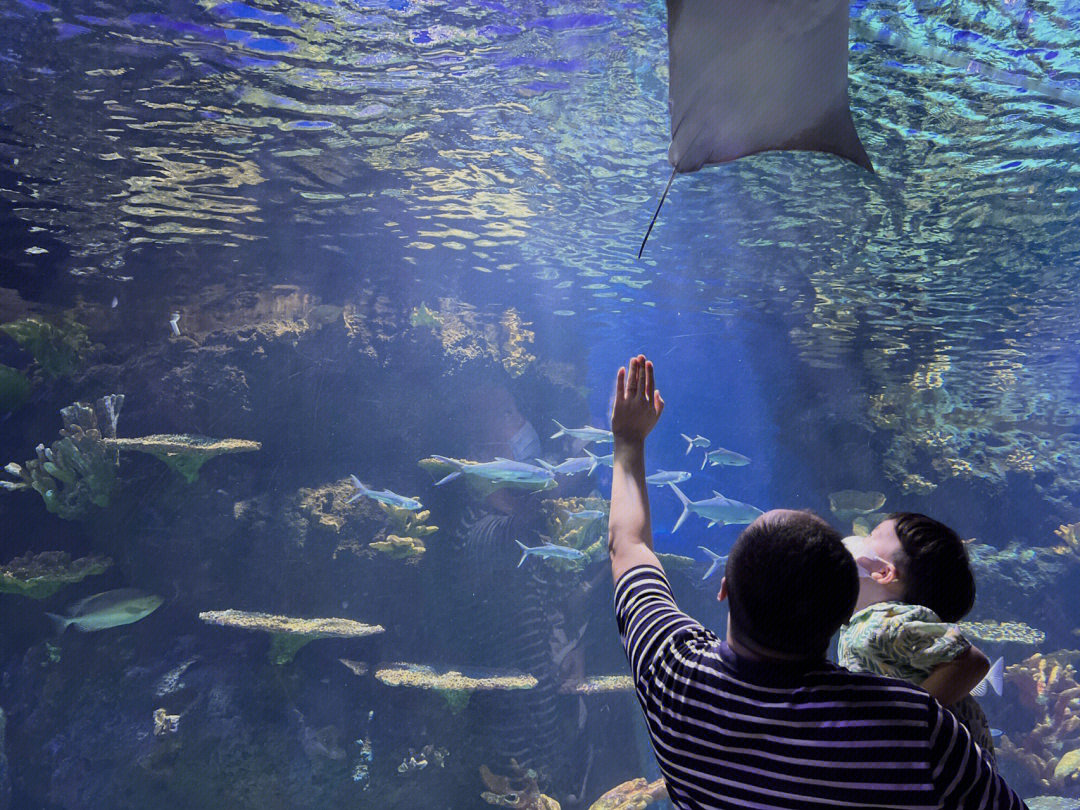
column 749, row 76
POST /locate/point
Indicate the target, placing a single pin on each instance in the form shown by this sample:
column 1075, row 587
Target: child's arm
column 953, row 680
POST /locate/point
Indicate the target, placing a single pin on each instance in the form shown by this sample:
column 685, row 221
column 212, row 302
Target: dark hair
column 791, row 583
column 934, row 566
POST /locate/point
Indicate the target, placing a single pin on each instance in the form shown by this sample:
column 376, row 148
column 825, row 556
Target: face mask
column 525, row 444
column 857, row 548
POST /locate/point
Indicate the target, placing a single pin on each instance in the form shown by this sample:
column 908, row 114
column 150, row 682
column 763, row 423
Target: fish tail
column 61, row 622
column 356, row 483
column 705, row 460
column 996, row 675
column 595, row 460
column 685, row 507
column 546, row 465
column 524, row 552
column 689, row 443
column 561, row 431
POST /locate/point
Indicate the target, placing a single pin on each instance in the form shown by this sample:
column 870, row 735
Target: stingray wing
column 750, row 76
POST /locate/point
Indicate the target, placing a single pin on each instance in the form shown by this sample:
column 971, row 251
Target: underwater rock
column 165, row 724
column 290, row 634
column 1001, row 632
column 848, row 504
column 58, row 348
column 520, row 791
column 417, row 761
column 183, row 453
column 41, row 575
column 600, row 684
column 637, row 794
column 171, row 681
column 328, row 505
column 1067, row 770
column 467, row 335
column 78, row 470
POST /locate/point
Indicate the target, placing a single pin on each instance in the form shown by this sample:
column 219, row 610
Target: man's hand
column 638, row 404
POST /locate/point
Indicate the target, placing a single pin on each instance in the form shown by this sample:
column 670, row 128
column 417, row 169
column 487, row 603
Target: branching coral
column 41, row 575
column 78, row 470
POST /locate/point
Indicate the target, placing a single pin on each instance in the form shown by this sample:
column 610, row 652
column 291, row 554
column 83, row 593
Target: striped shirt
column 734, row 733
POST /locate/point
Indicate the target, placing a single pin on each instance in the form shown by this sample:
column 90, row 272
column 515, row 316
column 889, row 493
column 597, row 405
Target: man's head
column 790, row 584
column 932, row 563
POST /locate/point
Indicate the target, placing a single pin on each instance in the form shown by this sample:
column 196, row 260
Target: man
column 762, row 719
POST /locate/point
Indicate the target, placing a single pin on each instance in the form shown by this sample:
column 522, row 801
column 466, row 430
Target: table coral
column 184, row 453
column 600, row 684
column 1016, row 632
column 290, row 634
column 41, row 575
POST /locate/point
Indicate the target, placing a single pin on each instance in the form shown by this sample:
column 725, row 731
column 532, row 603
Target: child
column 915, row 581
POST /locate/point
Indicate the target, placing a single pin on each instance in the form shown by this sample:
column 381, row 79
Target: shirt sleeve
column 905, row 641
column 963, row 776
column 647, row 616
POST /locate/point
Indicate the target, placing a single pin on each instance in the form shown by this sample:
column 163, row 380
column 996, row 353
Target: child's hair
column 934, row 566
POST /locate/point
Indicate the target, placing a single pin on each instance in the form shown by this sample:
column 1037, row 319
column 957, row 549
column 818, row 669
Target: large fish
column 547, row 550
column 719, row 511
column 661, row 477
column 109, row 609
column 500, row 471
column 572, row 466
column 584, row 434
column 726, row 458
column 383, row 496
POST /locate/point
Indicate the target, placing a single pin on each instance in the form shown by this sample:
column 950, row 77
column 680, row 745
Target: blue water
column 364, row 214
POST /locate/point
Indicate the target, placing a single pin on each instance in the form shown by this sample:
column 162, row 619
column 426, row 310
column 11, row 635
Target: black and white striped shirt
column 734, row 733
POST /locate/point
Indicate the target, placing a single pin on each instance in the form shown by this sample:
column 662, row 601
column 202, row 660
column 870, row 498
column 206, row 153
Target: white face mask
column 525, row 444
column 857, row 547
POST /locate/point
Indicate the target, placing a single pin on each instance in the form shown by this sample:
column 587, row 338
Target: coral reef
column 398, row 547
column 58, row 348
column 1070, row 540
column 289, row 634
column 567, row 527
column 847, row 504
column 329, row 505
column 78, row 470
column 600, row 684
column 408, row 527
column 41, row 575
column 1003, row 632
column 14, row 388
column 467, row 335
column 418, row 760
column 1047, row 686
column 637, row 794
column 421, row 676
column 519, row 791
column 184, row 454
column 1012, row 576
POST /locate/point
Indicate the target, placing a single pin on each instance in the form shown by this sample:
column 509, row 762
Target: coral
column 467, row 335
column 184, row 454
column 564, row 528
column 165, row 724
column 421, row 676
column 600, row 684
column 78, row 470
column 289, row 634
column 14, row 388
column 1015, row 632
column 519, row 791
column 1070, row 537
column 171, row 681
column 1016, row 569
column 847, row 504
column 410, row 528
column 399, row 547
column 1052, row 803
column 637, row 794
column 41, row 575
column 328, row 505
column 417, row 761
column 864, row 524
column 58, row 348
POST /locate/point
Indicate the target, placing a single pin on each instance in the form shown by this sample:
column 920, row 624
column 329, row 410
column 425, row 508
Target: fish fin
column 545, row 465
column 689, row 443
column 718, row 495
column 355, row 497
column 450, row 477
column 979, row 689
column 560, row 432
column 712, row 554
column 712, row 523
column 705, row 460
column 996, row 676
column 524, row 552
column 595, row 460
column 356, row 482
column 61, row 622
column 685, row 508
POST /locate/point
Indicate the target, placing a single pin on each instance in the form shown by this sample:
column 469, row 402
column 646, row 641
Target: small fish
column 996, row 733
column 585, row 515
column 595, row 460
column 383, row 496
column 174, row 323
column 716, row 562
column 994, row 680
column 547, row 550
column 500, row 471
column 697, row 441
column 584, row 434
column 114, row 303
column 726, row 458
column 661, row 477
column 109, row 609
column 572, row 466
column 719, row 511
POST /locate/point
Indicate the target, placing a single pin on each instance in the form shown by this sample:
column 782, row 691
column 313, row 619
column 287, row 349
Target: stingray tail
column 659, row 205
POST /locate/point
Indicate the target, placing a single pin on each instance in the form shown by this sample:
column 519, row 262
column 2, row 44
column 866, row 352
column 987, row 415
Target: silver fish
column 547, row 550
column 109, row 609
column 383, row 496
column 595, row 460
column 697, row 441
column 716, row 562
column 501, row 470
column 661, row 477
column 585, row 515
column 174, row 323
column 719, row 511
column 727, row 458
column 572, row 466
column 994, row 680
column 584, row 434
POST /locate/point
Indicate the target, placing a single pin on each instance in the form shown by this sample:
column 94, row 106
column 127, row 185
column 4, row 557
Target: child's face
column 884, row 542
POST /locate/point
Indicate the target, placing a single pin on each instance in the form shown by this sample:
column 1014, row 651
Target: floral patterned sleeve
column 900, row 641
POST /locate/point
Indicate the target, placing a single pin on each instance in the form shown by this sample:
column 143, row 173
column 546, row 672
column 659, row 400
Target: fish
column 584, row 434
column 383, row 496
column 548, row 550
column 726, row 458
column 108, row 609
column 994, row 680
column 501, row 470
column 595, row 460
column 572, row 466
column 719, row 511
column 586, row 515
column 661, row 477
column 174, row 323
column 716, row 562
column 697, row 441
